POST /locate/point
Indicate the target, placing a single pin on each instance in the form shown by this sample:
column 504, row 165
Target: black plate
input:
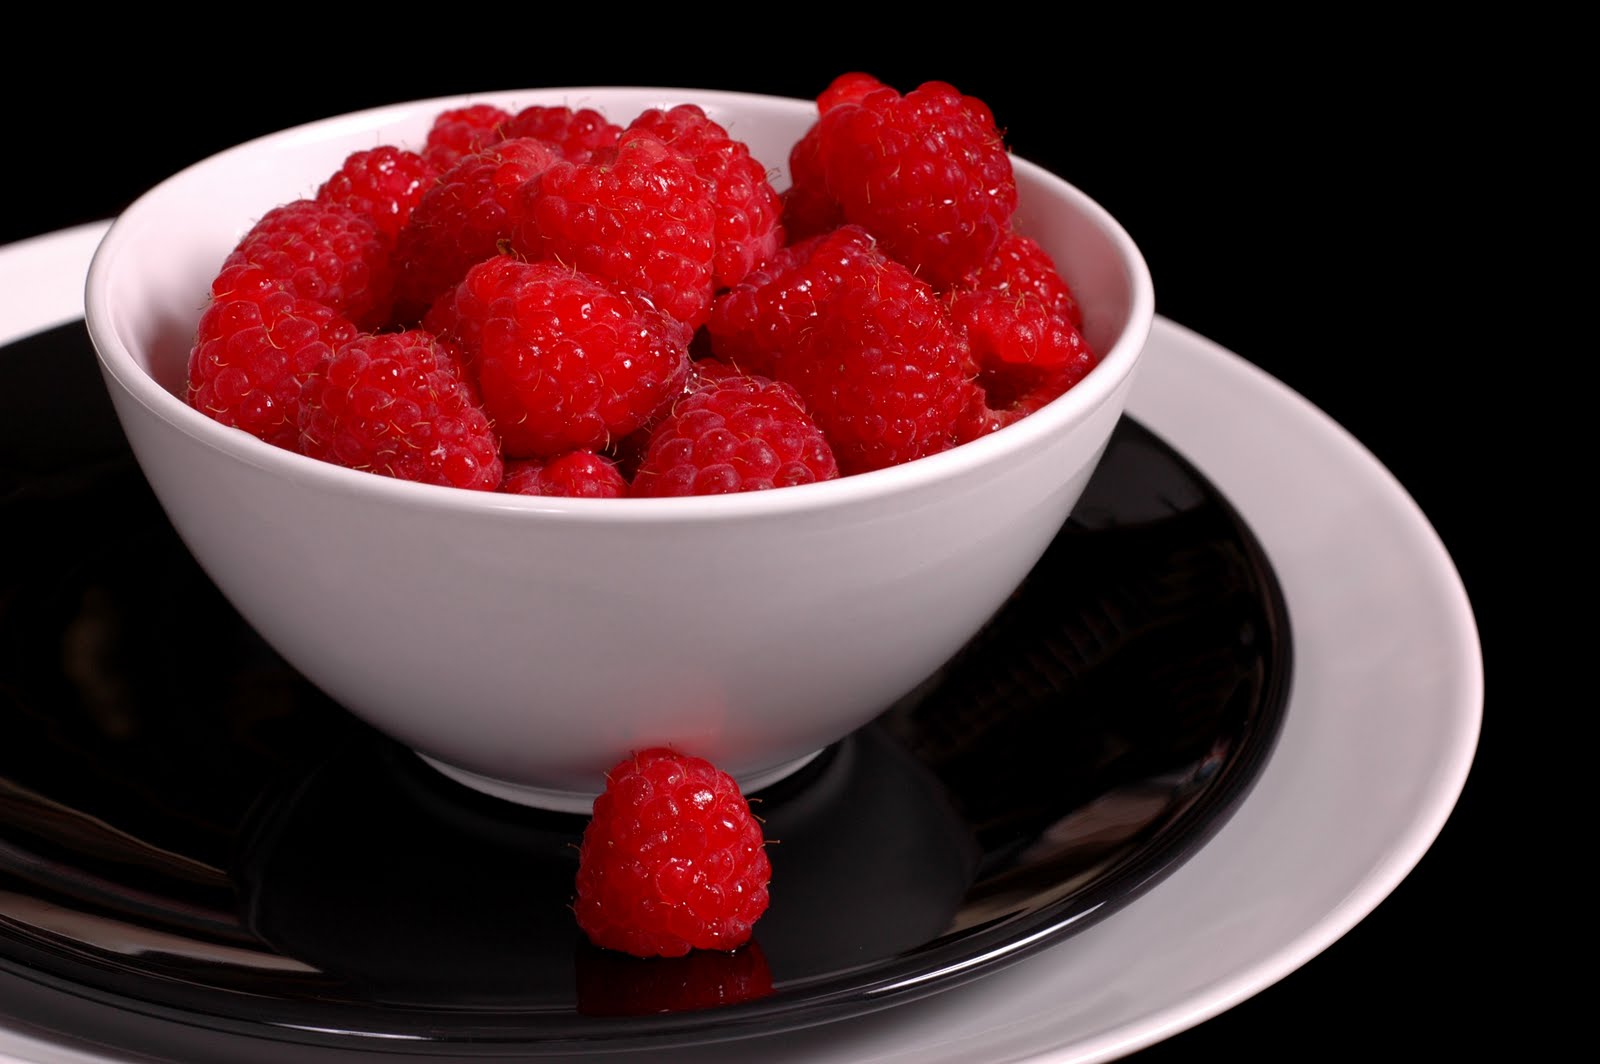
column 191, row 833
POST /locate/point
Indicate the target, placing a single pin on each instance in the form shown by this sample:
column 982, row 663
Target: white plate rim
column 1283, row 463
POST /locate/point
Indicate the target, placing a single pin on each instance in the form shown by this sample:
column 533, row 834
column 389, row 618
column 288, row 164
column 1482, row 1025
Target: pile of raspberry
column 545, row 302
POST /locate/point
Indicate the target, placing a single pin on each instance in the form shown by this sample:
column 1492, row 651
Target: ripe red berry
column 1007, row 394
column 869, row 347
column 254, row 348
column 397, row 404
column 578, row 135
column 574, row 475
column 383, row 184
column 326, row 252
column 747, row 206
column 463, row 131
column 808, row 207
column 672, row 859
column 463, row 218
column 1020, row 268
column 927, row 173
column 643, row 221
column 734, row 433
column 563, row 361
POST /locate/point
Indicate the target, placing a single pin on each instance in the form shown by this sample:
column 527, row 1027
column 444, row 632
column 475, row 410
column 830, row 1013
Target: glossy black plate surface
column 191, row 832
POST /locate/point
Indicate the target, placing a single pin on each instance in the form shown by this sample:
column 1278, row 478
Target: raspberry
column 578, row 135
column 642, row 220
column 868, row 346
column 1020, row 319
column 383, row 184
column 1008, row 394
column 463, row 218
column 747, row 206
column 887, row 378
column 462, row 131
column 574, row 475
column 672, row 860
column 734, row 433
column 1020, row 267
column 254, row 349
column 397, row 404
column 564, row 362
column 772, row 312
column 1017, row 329
column 326, row 252
column 808, row 207
column 927, row 173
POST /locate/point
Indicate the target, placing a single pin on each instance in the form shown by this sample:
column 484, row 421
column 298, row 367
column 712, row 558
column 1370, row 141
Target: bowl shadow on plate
column 167, row 775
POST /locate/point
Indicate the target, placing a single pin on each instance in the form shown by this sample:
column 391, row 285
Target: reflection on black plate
column 191, row 832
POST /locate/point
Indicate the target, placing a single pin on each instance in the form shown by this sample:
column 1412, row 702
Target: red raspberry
column 642, row 221
column 808, row 207
column 734, row 433
column 325, row 252
column 1006, row 395
column 672, row 860
column 927, row 173
column 575, row 475
column 887, row 376
column 773, row 311
column 869, row 347
column 1021, row 268
column 578, row 135
column 397, row 404
column 463, row 131
column 254, row 349
column 383, row 184
column 565, row 362
column 747, row 206
column 463, row 218
column 1017, row 329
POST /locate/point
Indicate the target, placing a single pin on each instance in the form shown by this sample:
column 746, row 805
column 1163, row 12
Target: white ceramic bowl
column 524, row 644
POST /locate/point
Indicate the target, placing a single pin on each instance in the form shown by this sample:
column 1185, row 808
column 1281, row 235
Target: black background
column 1317, row 198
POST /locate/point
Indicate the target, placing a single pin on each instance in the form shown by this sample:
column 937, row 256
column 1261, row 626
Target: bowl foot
column 582, row 801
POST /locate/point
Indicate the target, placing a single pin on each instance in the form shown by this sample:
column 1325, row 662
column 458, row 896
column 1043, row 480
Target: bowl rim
column 1113, row 371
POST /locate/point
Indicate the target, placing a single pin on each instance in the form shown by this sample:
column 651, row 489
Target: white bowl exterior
column 536, row 640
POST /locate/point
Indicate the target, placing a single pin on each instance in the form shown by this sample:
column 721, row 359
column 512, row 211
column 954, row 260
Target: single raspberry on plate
column 733, row 433
column 642, row 220
column 747, row 206
column 574, row 475
column 254, row 349
column 564, row 361
column 927, row 173
column 578, row 135
column 325, row 252
column 463, row 218
column 397, row 404
column 384, row 184
column 463, row 131
column 672, row 859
